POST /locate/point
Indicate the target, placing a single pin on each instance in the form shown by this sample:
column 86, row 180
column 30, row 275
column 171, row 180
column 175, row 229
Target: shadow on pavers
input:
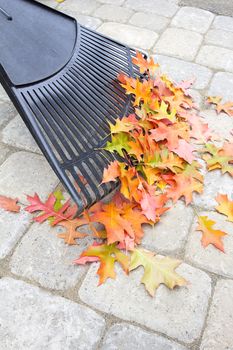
column 220, row 7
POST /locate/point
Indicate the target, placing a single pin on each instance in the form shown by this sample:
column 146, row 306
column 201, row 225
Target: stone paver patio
column 45, row 302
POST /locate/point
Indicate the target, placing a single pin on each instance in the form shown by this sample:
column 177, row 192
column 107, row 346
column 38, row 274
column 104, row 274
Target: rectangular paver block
column 193, row 19
column 33, row 319
column 149, row 21
column 88, row 21
column 129, row 35
column 26, row 173
column 43, row 257
column 169, row 235
column 113, row 13
column 210, row 258
column 16, row 134
column 74, row 7
column 179, row 313
column 223, row 22
column 219, row 38
column 162, row 7
column 180, row 70
column 125, row 337
column 178, row 42
column 222, row 85
column 12, row 227
column 218, row 334
column 216, row 57
column 7, row 112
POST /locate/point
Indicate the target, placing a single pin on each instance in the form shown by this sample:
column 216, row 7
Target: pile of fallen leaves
column 157, row 152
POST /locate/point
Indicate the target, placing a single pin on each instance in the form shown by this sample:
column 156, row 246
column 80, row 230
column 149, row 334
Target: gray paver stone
column 222, row 85
column 216, row 57
column 124, row 336
column 33, row 319
column 220, row 38
column 193, row 19
column 182, row 70
column 214, row 182
column 169, row 235
column 7, row 112
column 197, row 97
column 114, row 2
column 210, row 258
column 26, row 173
column 149, row 21
column 12, row 227
column 88, row 21
column 178, row 42
column 223, row 22
column 3, row 153
column 179, row 313
column 130, row 35
column 218, row 334
column 220, row 124
column 43, row 257
column 75, row 7
column 17, row 134
column 3, row 94
column 162, row 7
column 113, row 13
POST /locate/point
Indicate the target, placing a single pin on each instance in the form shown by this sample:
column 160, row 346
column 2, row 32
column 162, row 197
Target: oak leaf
column 71, row 233
column 157, row 270
column 225, row 206
column 108, row 255
column 9, row 204
column 47, row 209
column 145, row 64
column 209, row 234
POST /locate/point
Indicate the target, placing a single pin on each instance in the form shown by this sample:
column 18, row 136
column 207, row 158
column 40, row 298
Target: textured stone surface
column 178, row 42
column 182, row 70
column 123, row 336
column 3, row 153
column 3, row 95
column 149, row 21
column 43, row 257
column 216, row 57
column 113, row 13
column 7, row 112
column 33, row 319
column 218, row 334
column 88, row 21
column 193, row 19
column 12, row 227
column 170, row 233
column 220, row 124
column 222, row 85
column 130, row 35
column 26, row 173
column 214, row 183
column 211, row 258
column 114, row 2
column 17, row 134
column 179, row 313
column 197, row 97
column 220, row 38
column 75, row 7
column 162, row 7
column 224, row 23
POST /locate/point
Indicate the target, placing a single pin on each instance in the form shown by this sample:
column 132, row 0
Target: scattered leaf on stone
column 108, row 255
column 71, row 234
column 219, row 157
column 209, row 234
column 9, row 204
column 47, row 209
column 157, row 270
column 226, row 107
column 225, row 206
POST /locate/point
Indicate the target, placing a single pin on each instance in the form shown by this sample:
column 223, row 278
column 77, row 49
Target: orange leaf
column 226, row 107
column 108, row 255
column 225, row 206
column 214, row 100
column 112, row 172
column 209, row 234
column 71, row 233
column 9, row 204
column 145, row 64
